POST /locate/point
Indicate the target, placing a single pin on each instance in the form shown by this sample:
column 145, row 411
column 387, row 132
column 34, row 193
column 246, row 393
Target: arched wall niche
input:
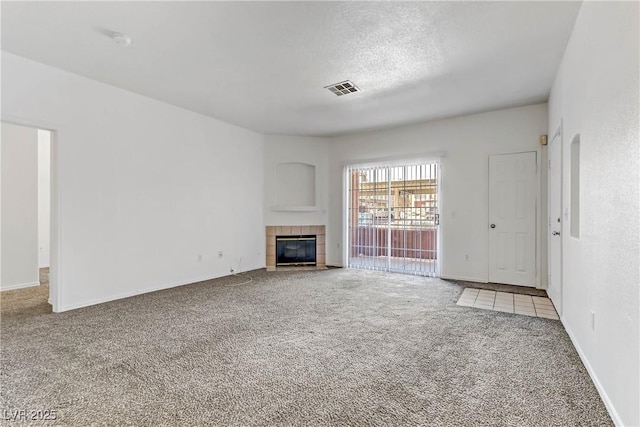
column 295, row 186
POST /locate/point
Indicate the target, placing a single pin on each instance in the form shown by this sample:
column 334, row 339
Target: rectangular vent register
column 343, row 88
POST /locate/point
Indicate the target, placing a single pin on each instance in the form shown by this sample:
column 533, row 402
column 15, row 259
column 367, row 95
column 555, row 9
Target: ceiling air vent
column 343, row 88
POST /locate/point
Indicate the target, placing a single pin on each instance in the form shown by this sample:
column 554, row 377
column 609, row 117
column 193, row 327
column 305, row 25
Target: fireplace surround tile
column 287, row 230
column 271, row 250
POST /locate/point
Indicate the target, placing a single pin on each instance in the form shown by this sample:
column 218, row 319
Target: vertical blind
column 393, row 218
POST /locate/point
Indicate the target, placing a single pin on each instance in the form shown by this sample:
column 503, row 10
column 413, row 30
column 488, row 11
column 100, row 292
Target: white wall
column 596, row 95
column 19, row 190
column 141, row 188
column 44, row 199
column 467, row 143
column 283, row 149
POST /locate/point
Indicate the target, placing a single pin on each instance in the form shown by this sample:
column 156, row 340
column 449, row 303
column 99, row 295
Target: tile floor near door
column 509, row 303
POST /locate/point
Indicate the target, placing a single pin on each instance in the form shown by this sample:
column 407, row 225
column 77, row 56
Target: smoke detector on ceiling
column 122, row 39
column 343, row 88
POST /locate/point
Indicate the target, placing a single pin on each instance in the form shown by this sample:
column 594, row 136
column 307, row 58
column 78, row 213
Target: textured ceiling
column 264, row 65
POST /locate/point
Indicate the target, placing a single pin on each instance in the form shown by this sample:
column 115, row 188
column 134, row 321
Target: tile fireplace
column 295, row 246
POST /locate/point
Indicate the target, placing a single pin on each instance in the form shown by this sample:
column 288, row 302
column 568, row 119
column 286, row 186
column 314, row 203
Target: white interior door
column 555, row 221
column 512, row 218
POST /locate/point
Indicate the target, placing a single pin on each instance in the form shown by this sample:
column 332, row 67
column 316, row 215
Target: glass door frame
column 388, row 249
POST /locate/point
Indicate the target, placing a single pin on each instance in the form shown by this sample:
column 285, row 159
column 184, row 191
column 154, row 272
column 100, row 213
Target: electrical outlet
column 220, row 254
column 199, row 257
column 338, row 244
column 466, row 257
column 593, row 320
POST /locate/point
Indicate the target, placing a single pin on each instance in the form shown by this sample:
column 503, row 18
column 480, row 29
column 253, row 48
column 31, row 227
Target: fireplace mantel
column 295, row 230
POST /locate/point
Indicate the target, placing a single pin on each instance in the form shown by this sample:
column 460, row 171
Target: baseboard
column 19, row 286
column 463, row 278
column 137, row 292
column 601, row 391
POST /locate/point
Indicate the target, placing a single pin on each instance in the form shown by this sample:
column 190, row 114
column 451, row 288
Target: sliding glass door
column 393, row 218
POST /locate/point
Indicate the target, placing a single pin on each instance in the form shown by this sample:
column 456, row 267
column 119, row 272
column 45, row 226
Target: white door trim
column 555, row 294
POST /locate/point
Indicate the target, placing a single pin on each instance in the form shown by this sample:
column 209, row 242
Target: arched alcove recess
column 295, row 185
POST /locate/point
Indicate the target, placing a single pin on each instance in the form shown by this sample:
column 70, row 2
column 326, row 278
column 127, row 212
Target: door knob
column 493, row 226
column 556, row 233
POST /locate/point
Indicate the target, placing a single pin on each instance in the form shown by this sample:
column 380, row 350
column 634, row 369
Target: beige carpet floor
column 333, row 347
column 27, row 302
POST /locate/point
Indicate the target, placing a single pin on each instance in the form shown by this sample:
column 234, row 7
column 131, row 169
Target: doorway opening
column 393, row 218
column 25, row 218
